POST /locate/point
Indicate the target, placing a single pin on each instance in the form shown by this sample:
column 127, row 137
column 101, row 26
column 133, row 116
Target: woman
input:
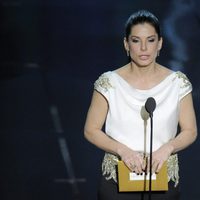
column 118, row 99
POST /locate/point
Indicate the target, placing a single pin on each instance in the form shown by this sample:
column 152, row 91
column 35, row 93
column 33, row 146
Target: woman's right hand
column 132, row 159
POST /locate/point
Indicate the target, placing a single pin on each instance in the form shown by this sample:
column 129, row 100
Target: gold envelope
column 127, row 184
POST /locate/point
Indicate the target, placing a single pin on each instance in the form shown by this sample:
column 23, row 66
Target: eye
column 151, row 39
column 134, row 40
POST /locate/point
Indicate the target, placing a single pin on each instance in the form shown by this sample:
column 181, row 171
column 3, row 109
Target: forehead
column 144, row 29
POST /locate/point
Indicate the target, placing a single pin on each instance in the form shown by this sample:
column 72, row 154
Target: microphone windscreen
column 144, row 114
column 150, row 105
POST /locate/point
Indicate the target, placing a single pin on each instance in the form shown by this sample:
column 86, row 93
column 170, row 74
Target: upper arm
column 97, row 112
column 187, row 119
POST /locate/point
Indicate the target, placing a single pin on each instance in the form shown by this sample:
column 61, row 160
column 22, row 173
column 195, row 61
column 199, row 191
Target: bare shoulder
column 164, row 71
column 121, row 70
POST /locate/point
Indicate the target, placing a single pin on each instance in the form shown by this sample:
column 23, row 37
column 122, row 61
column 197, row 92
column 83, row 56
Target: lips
column 144, row 57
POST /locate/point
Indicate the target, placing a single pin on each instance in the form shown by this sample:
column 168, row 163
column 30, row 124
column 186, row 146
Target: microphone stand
column 150, row 106
column 151, row 145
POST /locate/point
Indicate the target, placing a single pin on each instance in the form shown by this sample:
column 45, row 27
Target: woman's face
column 143, row 44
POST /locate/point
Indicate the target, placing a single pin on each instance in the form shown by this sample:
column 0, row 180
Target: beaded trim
column 109, row 167
column 102, row 82
column 186, row 81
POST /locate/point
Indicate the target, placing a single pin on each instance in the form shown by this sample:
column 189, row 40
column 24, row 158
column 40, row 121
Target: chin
column 144, row 63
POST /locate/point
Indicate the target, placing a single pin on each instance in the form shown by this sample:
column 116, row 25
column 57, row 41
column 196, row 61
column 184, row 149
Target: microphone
column 150, row 105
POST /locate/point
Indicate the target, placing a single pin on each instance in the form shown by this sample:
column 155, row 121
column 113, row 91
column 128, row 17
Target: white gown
column 127, row 121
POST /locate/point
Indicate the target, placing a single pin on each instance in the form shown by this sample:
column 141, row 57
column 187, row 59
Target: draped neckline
column 158, row 85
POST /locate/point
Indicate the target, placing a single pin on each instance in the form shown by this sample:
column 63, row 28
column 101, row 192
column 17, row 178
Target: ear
column 160, row 42
column 126, row 46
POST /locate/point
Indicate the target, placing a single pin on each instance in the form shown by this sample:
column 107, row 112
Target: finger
column 144, row 164
column 139, row 169
column 147, row 168
column 136, row 171
column 133, row 166
column 156, row 166
column 159, row 167
column 152, row 167
column 141, row 165
column 129, row 166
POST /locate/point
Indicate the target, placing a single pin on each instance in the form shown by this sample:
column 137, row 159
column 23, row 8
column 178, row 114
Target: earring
column 158, row 53
column 127, row 53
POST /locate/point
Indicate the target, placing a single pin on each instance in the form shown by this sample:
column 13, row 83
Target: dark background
column 52, row 51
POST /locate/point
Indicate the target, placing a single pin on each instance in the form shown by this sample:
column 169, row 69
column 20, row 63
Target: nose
column 143, row 46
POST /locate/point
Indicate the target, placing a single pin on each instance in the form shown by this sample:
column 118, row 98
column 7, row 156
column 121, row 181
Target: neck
column 143, row 70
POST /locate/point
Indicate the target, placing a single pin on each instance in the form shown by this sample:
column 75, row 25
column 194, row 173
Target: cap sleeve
column 103, row 84
column 185, row 85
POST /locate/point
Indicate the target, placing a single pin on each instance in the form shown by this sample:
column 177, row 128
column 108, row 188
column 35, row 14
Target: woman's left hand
column 160, row 156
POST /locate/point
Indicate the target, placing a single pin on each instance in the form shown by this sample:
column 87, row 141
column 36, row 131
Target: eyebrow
column 134, row 36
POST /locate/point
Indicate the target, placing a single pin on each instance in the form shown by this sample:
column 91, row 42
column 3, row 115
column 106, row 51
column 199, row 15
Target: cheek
column 154, row 49
column 134, row 48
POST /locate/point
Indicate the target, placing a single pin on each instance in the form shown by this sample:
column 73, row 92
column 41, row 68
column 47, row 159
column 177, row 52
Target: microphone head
column 150, row 105
column 144, row 114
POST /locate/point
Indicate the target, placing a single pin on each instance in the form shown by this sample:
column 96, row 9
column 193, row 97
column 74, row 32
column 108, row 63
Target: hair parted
column 141, row 17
